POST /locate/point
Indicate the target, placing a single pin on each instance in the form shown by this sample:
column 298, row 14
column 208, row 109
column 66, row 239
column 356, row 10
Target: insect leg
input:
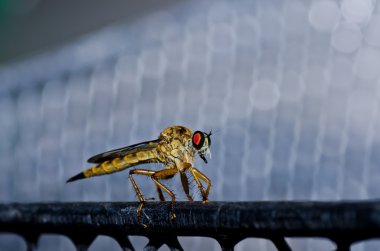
column 185, row 185
column 199, row 175
column 160, row 194
column 138, row 192
column 165, row 174
column 205, row 179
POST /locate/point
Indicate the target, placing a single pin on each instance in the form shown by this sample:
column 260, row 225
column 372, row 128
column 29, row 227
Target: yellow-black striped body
column 173, row 148
column 118, row 164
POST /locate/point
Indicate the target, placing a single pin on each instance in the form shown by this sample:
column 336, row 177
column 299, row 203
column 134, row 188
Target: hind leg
column 137, row 189
column 162, row 175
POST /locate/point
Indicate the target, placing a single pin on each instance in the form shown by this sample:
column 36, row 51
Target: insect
column 176, row 148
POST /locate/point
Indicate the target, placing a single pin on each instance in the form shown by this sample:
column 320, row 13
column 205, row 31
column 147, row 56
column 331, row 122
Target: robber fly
column 175, row 148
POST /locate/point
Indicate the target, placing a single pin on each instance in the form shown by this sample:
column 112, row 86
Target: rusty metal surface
column 227, row 222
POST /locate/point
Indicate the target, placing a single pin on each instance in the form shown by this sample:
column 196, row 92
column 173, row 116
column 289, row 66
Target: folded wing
column 119, row 153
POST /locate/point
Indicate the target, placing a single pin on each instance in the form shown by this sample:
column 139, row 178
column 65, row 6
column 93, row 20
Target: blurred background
column 290, row 88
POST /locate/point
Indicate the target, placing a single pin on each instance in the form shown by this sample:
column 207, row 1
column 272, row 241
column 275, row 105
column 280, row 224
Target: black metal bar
column 280, row 243
column 155, row 242
column 231, row 221
column 227, row 244
column 124, row 242
column 343, row 244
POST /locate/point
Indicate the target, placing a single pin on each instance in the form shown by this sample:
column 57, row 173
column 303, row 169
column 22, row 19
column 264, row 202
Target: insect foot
column 139, row 214
column 173, row 216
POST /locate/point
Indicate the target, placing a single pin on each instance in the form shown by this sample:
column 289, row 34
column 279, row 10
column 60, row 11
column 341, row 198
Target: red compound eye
column 198, row 140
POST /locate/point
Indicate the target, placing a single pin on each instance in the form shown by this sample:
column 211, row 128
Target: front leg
column 199, row 175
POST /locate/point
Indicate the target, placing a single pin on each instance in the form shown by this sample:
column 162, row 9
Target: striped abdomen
column 118, row 164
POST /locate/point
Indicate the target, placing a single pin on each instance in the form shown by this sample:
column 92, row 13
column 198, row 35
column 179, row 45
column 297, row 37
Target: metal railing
column 228, row 222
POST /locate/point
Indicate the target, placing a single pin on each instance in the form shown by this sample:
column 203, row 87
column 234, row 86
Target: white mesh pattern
column 293, row 102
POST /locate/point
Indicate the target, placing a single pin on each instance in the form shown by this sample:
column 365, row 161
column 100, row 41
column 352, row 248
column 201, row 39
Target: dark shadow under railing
column 344, row 222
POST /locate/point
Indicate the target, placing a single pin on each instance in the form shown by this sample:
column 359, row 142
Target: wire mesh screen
column 290, row 89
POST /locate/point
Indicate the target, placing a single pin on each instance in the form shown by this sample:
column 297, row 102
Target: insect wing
column 118, row 153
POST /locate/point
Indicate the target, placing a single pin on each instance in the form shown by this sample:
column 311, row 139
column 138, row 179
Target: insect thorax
column 176, row 146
